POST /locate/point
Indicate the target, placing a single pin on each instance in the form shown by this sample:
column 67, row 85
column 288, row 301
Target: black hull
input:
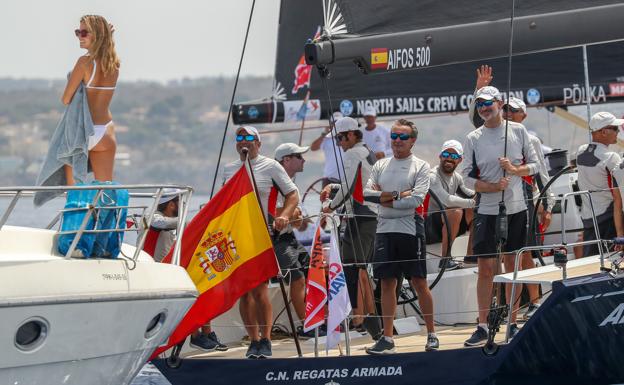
column 564, row 342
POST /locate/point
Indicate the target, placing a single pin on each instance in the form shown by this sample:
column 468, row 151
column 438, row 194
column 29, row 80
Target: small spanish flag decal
column 379, row 58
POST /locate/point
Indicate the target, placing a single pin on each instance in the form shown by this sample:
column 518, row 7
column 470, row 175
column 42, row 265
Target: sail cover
column 546, row 71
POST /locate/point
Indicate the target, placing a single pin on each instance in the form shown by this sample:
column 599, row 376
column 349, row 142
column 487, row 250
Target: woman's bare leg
column 102, row 156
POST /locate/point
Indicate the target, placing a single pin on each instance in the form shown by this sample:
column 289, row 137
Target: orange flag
column 316, row 285
column 227, row 251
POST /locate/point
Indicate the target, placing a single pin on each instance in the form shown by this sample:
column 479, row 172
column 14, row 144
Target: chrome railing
column 154, row 193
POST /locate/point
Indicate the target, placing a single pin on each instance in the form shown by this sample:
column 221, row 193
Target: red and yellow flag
column 227, row 251
column 316, row 285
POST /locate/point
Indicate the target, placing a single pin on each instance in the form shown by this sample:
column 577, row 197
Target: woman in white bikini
column 98, row 69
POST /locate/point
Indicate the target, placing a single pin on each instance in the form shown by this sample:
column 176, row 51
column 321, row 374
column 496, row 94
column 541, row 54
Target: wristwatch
column 395, row 195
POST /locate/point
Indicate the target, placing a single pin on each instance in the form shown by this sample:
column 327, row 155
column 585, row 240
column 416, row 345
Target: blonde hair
column 103, row 48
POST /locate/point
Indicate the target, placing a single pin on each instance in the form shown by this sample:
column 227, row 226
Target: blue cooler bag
column 102, row 218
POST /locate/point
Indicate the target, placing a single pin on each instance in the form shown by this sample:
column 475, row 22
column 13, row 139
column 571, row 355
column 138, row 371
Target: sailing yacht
column 76, row 320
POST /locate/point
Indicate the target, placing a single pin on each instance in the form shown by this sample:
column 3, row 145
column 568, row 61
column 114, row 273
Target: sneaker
column 264, row 348
column 432, row 342
column 304, row 335
column 477, row 338
column 384, row 345
column 253, row 350
column 220, row 347
column 450, row 264
column 531, row 310
column 513, row 331
column 203, row 342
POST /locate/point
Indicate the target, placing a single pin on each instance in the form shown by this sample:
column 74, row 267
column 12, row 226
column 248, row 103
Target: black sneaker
column 450, row 264
column 220, row 347
column 264, row 348
column 382, row 346
column 513, row 330
column 253, row 350
column 304, row 335
column 432, row 342
column 531, row 310
column 204, row 343
column 477, row 338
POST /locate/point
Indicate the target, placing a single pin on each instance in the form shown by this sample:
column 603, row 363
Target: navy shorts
column 399, row 255
column 484, row 242
column 292, row 256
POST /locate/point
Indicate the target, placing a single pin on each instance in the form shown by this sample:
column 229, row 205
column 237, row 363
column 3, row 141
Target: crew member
column 376, row 136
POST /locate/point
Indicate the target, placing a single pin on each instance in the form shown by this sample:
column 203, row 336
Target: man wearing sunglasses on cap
column 600, row 171
column 291, row 255
column 457, row 199
column 399, row 185
column 255, row 306
column 483, row 171
column 359, row 228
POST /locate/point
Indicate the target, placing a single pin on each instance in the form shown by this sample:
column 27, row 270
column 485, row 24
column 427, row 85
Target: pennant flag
column 227, row 251
column 339, row 304
column 316, row 285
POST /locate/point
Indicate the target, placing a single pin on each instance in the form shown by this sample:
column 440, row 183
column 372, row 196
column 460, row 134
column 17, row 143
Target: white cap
column 517, row 103
column 455, row 145
column 169, row 194
column 251, row 130
column 337, row 115
column 601, row 120
column 285, row 149
column 488, row 93
column 346, row 124
column 370, row 111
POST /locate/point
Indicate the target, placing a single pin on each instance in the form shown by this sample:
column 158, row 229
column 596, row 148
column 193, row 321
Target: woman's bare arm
column 75, row 78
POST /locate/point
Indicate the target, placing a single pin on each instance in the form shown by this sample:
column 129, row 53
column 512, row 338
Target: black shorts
column 606, row 228
column 484, row 241
column 399, row 255
column 292, row 256
column 358, row 241
column 433, row 227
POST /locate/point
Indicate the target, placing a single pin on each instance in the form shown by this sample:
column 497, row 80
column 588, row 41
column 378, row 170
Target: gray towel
column 69, row 145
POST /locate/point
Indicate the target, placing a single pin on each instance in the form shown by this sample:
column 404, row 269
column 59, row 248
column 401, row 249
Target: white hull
column 96, row 311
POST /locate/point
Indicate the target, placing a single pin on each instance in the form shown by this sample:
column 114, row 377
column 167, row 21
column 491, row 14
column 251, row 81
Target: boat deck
column 450, row 338
column 550, row 273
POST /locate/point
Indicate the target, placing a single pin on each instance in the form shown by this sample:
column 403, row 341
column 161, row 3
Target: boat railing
column 153, row 192
column 562, row 246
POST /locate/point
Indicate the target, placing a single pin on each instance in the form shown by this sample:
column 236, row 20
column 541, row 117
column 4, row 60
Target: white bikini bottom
column 98, row 132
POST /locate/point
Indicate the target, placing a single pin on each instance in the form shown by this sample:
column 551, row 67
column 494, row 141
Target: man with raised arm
column 255, row 306
column 496, row 162
column 376, row 136
column 398, row 185
column 359, row 231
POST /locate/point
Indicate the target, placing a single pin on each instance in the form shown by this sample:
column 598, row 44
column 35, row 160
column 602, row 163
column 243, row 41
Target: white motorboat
column 82, row 321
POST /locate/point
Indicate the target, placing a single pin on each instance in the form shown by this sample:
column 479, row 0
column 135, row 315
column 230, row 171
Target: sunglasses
column 446, row 154
column 395, row 136
column 508, row 109
column 248, row 138
column 298, row 156
column 614, row 128
column 485, row 103
column 341, row 137
column 81, row 32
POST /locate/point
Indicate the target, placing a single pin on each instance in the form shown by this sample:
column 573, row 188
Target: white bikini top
column 91, row 80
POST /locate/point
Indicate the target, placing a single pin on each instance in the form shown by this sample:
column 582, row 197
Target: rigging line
column 227, row 122
column 510, row 55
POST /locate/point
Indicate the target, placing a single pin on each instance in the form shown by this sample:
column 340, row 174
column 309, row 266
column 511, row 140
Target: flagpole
column 280, row 279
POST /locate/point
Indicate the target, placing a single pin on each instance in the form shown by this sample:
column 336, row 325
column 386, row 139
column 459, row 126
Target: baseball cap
column 517, row 103
column 346, row 124
column 488, row 93
column 370, row 111
column 285, row 149
column 169, row 194
column 250, row 130
column 453, row 144
column 601, row 120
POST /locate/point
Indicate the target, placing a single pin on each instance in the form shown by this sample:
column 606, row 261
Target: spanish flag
column 379, row 58
column 227, row 251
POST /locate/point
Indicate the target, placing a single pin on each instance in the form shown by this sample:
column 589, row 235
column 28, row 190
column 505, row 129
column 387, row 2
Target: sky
column 156, row 40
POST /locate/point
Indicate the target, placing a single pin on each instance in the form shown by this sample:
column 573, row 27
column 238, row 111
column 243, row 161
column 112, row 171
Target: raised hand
column 484, row 76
